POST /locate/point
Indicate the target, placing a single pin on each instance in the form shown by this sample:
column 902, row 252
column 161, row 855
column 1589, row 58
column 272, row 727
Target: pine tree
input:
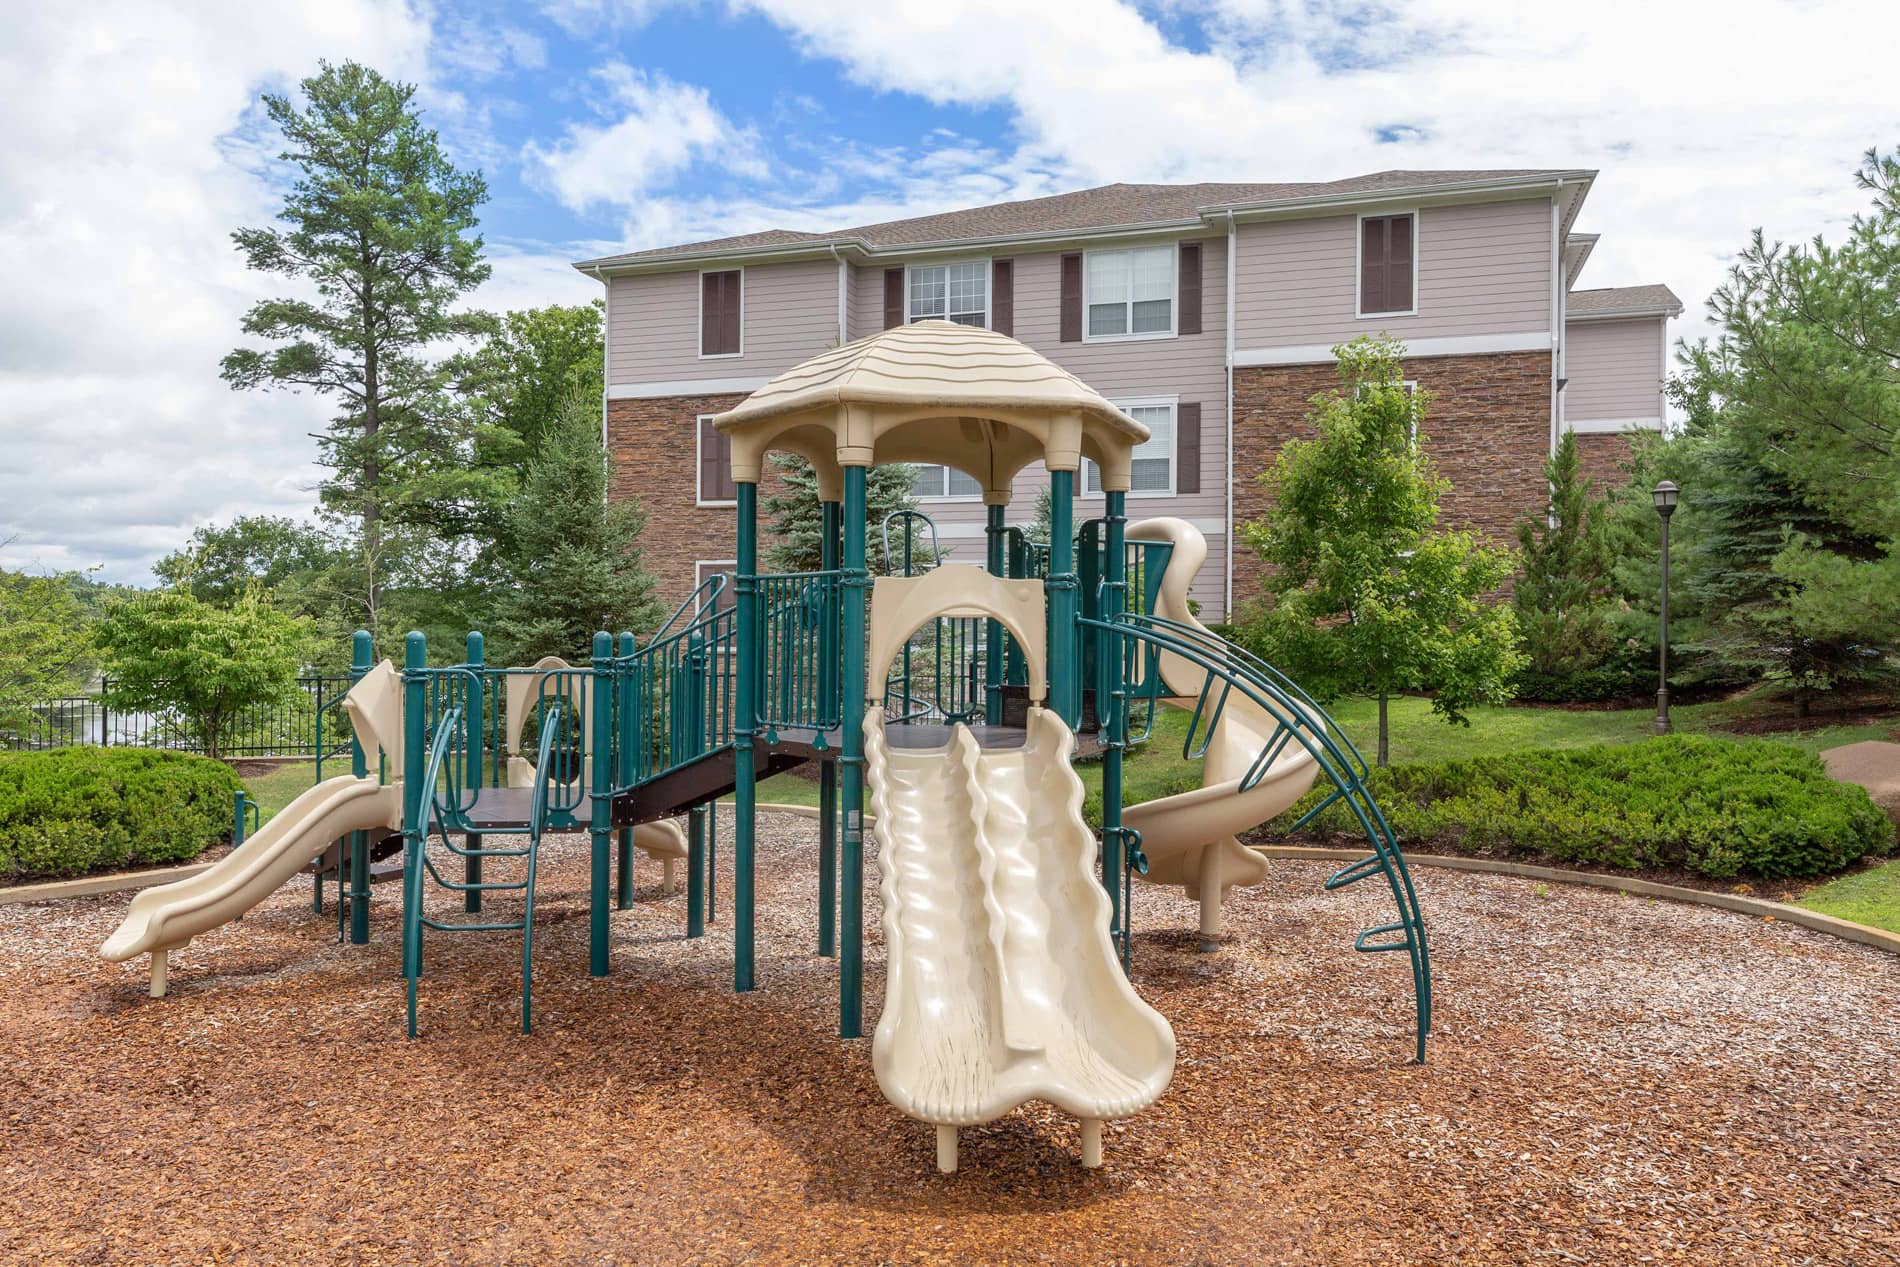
column 575, row 567
column 381, row 226
column 1365, row 592
column 1566, row 589
column 795, row 519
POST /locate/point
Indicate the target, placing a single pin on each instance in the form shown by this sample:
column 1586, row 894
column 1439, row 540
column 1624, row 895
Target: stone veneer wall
column 1604, row 459
column 653, row 455
column 1487, row 429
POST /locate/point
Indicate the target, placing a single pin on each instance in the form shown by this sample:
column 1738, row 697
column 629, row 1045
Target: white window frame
column 699, row 334
column 717, row 565
column 1173, row 405
column 699, row 464
column 946, row 498
column 988, row 275
column 1359, row 262
column 1174, row 294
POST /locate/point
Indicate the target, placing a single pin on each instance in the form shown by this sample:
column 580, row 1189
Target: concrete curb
column 1878, row 938
column 92, row 885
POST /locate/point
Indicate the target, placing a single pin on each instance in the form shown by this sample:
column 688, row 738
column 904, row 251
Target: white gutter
column 1556, row 316
column 844, row 276
column 1227, row 590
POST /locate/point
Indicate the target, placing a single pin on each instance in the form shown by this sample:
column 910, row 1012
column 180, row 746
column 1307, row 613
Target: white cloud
column 662, row 128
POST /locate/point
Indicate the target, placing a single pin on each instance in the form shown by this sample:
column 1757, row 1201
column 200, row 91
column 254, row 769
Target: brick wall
column 1487, row 429
column 653, row 450
column 1604, row 460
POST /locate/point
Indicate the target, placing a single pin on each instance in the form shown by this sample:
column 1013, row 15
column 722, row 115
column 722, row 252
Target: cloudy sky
column 133, row 144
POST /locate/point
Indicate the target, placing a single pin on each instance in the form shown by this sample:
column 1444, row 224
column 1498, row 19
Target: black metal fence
column 285, row 729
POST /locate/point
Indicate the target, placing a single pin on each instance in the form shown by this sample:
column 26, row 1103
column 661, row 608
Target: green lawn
column 1871, row 897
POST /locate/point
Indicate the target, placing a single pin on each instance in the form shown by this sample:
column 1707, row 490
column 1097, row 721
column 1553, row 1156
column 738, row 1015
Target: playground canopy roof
column 932, row 392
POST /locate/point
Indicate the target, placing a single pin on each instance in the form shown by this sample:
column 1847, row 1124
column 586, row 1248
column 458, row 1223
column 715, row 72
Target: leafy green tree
column 379, row 225
column 576, row 564
column 524, row 372
column 221, row 563
column 1565, row 593
column 172, row 652
column 794, row 516
column 43, row 642
column 1366, row 594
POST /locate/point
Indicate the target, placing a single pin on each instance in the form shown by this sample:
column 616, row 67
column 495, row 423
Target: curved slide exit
column 1002, row 984
column 1192, row 839
column 166, row 917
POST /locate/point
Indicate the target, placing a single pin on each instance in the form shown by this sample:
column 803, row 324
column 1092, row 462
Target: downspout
column 844, row 274
column 1227, row 594
column 1556, row 315
column 606, row 377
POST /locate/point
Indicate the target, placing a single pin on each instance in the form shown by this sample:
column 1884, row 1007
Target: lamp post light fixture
column 1665, row 495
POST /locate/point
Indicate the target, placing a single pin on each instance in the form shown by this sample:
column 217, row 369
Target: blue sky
column 132, row 144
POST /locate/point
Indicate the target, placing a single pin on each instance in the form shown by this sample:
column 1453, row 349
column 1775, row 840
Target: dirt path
column 1610, row 1079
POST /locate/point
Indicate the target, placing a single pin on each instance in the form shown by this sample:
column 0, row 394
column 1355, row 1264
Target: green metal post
column 852, row 597
column 1065, row 676
column 600, row 786
column 744, row 723
column 1110, row 715
column 361, row 651
column 623, row 895
column 993, row 640
column 415, row 707
column 828, row 770
column 696, row 871
column 472, row 715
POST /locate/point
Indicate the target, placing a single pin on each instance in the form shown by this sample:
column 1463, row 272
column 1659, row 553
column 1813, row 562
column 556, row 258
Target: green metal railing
column 283, row 728
column 798, row 682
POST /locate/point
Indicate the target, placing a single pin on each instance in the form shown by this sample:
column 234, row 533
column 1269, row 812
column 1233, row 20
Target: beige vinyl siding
column 1615, row 369
column 867, row 299
column 791, row 313
column 1483, row 269
column 1189, row 367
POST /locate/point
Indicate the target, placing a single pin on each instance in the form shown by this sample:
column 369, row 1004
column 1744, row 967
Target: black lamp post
column 1665, row 495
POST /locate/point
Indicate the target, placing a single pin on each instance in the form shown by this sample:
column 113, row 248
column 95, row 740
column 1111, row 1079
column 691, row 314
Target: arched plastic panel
column 901, row 604
column 375, row 708
column 523, row 688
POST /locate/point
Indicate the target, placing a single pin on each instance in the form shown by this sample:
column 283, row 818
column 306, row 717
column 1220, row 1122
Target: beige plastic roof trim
column 1192, row 839
column 1002, row 983
column 933, row 392
column 901, row 604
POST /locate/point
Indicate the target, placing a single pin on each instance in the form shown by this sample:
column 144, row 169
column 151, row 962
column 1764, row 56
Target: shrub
column 72, row 810
column 1586, row 686
column 1715, row 807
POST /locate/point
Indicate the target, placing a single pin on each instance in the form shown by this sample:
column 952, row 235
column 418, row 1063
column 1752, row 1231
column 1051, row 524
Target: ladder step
column 1365, row 944
column 512, row 926
column 1355, row 872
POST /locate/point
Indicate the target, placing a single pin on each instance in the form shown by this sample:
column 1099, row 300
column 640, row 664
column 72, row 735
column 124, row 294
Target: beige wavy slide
column 1001, row 982
column 665, row 840
column 166, row 917
column 1192, row 839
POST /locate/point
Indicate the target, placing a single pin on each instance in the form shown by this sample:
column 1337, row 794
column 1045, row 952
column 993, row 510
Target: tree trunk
column 371, row 487
column 1385, row 745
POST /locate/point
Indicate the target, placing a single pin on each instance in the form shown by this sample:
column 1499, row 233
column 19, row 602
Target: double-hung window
column 946, row 483
column 1129, row 293
column 1152, row 470
column 716, row 486
column 957, row 292
column 1388, row 265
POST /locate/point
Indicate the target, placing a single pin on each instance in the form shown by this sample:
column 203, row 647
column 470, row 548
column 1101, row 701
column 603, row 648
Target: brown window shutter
column 893, row 297
column 1187, row 447
column 1003, row 296
column 1189, row 285
column 1372, row 270
column 715, row 465
column 1072, row 297
column 732, row 338
column 1398, row 263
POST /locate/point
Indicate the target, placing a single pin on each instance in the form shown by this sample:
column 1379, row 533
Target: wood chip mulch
column 1612, row 1080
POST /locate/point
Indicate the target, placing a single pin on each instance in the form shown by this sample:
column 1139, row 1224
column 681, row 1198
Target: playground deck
column 1610, row 1078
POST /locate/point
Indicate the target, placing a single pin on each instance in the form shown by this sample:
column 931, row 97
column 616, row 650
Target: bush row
column 1715, row 807
column 68, row 811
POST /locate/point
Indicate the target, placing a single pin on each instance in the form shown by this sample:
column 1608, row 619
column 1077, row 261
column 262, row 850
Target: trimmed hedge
column 68, row 811
column 1587, row 686
column 1715, row 807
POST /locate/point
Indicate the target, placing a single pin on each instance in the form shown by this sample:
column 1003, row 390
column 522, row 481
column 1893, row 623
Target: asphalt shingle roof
column 1613, row 299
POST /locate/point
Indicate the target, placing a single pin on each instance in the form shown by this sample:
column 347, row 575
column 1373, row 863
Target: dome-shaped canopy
column 933, row 391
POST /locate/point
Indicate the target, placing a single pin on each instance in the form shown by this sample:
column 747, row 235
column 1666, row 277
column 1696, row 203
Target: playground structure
column 955, row 699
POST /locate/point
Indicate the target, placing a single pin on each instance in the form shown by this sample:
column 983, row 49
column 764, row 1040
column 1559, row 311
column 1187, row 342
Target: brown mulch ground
column 1612, row 1081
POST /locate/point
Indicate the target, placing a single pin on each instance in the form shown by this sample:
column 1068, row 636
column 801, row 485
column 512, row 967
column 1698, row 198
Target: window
column 959, row 292
column 716, row 487
column 704, row 571
column 1152, row 470
column 721, row 313
column 1388, row 265
column 938, row 483
column 1130, row 293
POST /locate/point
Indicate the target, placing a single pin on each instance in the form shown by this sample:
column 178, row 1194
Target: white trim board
column 1611, row 426
column 1455, row 345
column 685, row 387
column 974, row 531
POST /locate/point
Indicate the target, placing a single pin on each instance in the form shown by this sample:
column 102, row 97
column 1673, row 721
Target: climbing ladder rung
column 1360, row 870
column 1370, row 947
column 513, row 926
